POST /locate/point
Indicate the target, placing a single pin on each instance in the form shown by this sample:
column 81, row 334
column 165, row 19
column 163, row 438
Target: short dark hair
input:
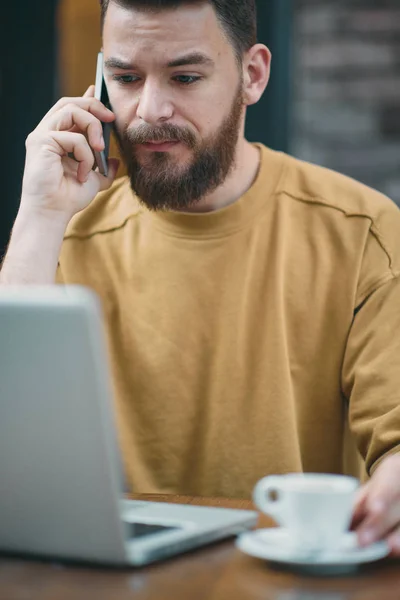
column 238, row 18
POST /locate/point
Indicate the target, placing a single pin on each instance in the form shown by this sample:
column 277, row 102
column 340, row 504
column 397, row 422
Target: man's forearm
column 34, row 249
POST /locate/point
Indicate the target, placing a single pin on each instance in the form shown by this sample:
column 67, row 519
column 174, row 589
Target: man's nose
column 154, row 106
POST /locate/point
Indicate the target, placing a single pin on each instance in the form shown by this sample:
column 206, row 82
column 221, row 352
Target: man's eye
column 187, row 79
column 125, row 79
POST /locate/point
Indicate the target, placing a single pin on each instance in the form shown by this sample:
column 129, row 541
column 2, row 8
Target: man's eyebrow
column 116, row 63
column 195, row 58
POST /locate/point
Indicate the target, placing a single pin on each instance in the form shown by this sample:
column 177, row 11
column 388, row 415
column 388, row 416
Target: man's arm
column 371, row 374
column 56, row 187
column 34, row 249
column 371, row 381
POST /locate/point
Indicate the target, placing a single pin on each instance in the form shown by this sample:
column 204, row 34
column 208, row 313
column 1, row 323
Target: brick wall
column 347, row 88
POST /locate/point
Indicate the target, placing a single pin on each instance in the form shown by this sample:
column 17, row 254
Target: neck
column 238, row 182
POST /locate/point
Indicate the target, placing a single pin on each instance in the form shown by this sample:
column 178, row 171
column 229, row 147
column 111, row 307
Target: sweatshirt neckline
column 233, row 217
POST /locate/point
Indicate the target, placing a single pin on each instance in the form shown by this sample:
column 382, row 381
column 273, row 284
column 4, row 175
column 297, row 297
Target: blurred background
column 334, row 97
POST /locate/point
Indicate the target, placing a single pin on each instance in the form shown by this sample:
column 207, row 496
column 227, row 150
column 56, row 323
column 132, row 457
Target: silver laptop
column 61, row 489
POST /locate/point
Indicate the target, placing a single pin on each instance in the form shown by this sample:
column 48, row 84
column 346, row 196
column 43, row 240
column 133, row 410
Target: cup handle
column 263, row 497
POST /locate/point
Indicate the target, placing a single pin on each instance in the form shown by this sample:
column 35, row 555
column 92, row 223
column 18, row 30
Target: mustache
column 163, row 133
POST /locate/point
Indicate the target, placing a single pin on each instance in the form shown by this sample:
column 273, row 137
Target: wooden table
column 218, row 572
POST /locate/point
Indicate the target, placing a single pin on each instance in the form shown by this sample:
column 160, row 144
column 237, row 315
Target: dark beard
column 160, row 184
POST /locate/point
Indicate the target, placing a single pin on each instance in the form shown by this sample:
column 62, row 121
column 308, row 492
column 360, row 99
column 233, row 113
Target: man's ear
column 256, row 73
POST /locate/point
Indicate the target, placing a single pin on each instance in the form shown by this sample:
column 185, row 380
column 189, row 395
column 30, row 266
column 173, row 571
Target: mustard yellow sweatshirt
column 242, row 342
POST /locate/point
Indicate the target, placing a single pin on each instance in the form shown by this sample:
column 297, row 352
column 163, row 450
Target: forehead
column 130, row 32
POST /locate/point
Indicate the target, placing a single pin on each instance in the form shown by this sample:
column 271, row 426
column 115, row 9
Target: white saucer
column 276, row 545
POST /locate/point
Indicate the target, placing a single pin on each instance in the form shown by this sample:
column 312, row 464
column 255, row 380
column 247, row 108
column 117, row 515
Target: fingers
column 383, row 499
column 87, row 103
column 76, row 144
column 103, row 183
column 72, row 117
column 381, row 505
column 75, row 116
column 379, row 524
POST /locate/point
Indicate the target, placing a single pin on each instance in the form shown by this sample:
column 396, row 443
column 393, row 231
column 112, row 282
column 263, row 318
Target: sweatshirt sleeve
column 371, row 374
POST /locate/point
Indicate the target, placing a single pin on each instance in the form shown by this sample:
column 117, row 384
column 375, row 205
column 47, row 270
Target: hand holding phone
column 59, row 179
column 102, row 95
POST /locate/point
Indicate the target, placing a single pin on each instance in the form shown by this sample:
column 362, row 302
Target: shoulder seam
column 373, row 228
column 393, row 276
column 375, row 232
column 84, row 236
column 324, row 202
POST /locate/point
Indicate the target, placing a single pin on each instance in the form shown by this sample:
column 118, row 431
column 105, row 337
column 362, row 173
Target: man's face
column 176, row 89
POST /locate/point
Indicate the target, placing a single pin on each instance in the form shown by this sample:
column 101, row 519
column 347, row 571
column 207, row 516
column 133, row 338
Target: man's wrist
column 39, row 217
column 34, row 248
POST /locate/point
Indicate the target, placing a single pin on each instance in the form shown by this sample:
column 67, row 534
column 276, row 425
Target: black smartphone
column 102, row 95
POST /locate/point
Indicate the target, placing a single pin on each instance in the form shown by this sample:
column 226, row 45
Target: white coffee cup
column 316, row 509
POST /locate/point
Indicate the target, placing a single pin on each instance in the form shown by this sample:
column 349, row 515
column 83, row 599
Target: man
column 251, row 300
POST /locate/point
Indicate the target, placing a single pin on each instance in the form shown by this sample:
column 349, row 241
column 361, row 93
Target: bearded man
column 251, row 300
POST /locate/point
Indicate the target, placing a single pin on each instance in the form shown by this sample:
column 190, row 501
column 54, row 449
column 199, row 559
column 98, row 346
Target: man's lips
column 159, row 146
